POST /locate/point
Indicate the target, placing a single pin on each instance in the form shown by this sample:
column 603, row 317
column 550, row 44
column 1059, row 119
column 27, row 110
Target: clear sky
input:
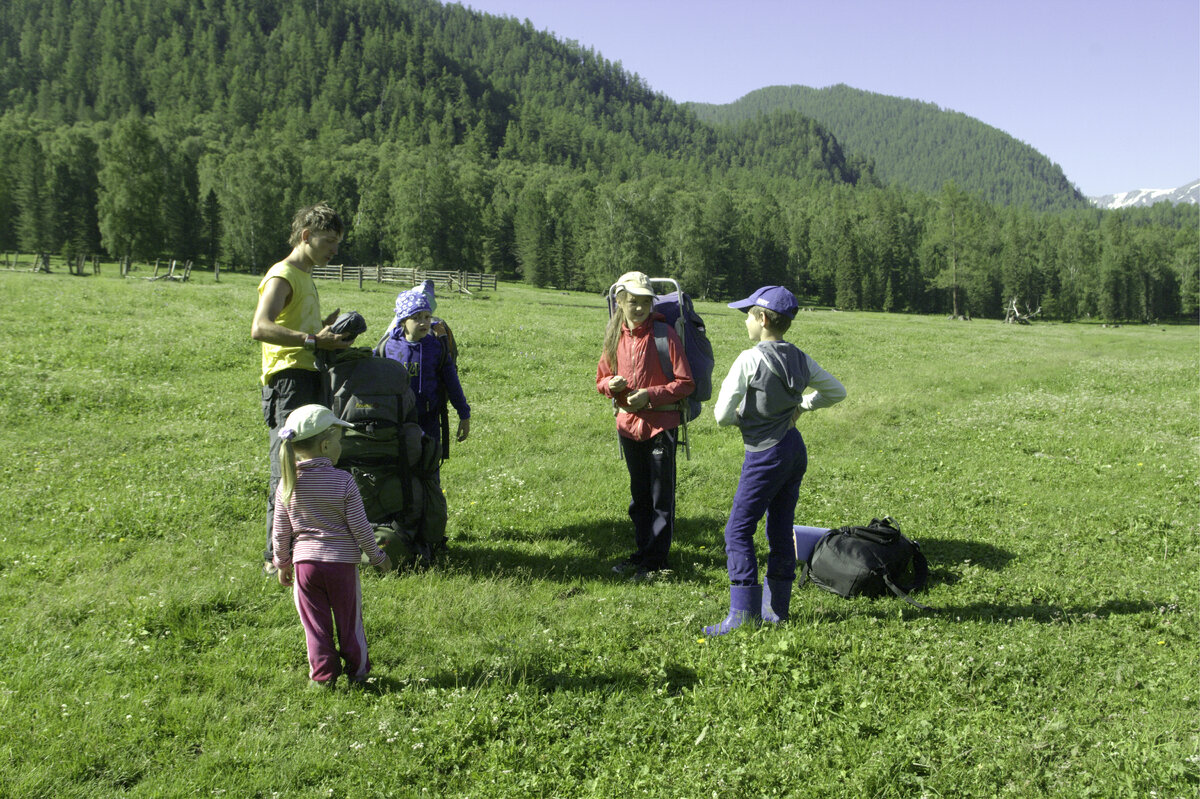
column 1107, row 89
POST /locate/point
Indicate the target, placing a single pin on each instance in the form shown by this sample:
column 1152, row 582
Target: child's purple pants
column 769, row 484
column 327, row 594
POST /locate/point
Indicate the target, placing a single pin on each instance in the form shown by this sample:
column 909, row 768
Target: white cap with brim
column 635, row 283
column 308, row 421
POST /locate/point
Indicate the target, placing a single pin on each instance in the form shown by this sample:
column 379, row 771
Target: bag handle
column 920, row 577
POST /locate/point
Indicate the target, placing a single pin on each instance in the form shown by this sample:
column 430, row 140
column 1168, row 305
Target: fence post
column 360, row 278
column 216, row 271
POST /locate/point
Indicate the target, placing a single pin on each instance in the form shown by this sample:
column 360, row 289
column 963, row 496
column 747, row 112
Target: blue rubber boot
column 777, row 597
column 745, row 607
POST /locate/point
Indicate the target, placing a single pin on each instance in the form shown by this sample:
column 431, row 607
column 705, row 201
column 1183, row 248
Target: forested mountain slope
column 409, row 71
column 917, row 144
column 450, row 139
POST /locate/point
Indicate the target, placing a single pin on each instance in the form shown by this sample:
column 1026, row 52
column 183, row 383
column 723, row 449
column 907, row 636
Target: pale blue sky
column 1108, row 90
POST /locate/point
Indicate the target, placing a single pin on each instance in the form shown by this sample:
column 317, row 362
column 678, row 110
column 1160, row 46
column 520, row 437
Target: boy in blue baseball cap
column 763, row 395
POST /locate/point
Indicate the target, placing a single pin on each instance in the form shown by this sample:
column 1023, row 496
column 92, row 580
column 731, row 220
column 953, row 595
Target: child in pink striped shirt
column 320, row 527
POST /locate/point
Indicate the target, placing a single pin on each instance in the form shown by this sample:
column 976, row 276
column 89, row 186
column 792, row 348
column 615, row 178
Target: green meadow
column 1049, row 472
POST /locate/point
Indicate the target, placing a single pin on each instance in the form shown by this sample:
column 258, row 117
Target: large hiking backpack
column 677, row 308
column 868, row 561
column 393, row 462
column 678, row 312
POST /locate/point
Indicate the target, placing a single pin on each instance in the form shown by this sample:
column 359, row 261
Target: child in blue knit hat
column 431, row 369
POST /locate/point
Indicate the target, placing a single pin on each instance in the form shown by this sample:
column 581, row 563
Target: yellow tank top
column 302, row 312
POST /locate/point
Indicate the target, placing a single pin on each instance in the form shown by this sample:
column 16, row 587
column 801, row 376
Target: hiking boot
column 645, row 574
column 628, row 566
column 269, row 569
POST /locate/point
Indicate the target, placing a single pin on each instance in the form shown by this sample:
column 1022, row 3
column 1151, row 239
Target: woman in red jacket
column 647, row 404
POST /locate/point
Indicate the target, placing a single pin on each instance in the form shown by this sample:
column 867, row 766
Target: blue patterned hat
column 426, row 288
column 411, row 302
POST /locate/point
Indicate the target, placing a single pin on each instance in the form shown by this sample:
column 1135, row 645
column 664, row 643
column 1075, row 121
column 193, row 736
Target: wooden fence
column 173, row 269
column 38, row 262
column 410, row 276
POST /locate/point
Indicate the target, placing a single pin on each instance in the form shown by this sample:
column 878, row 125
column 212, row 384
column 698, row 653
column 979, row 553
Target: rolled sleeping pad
column 806, row 539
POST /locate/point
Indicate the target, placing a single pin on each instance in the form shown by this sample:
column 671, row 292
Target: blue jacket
column 428, row 370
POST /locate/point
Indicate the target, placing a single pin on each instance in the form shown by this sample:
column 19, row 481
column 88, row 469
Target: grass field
column 1050, row 473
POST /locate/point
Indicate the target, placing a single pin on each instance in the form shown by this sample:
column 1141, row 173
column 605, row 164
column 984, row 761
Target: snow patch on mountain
column 1142, row 197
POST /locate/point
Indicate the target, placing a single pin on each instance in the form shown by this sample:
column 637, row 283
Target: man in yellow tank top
column 288, row 323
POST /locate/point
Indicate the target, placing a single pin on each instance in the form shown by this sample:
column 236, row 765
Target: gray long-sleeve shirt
column 764, row 388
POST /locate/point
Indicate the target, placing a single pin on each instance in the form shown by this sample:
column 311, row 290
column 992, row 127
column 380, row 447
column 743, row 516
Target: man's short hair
column 319, row 217
column 777, row 322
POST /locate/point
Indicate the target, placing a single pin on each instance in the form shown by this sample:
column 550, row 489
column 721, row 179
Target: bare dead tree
column 1013, row 315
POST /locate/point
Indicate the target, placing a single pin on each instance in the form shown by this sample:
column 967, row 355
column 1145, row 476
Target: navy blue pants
column 770, row 485
column 285, row 391
column 651, row 465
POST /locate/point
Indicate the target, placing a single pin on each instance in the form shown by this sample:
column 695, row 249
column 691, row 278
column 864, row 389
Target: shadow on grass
column 955, row 552
column 1049, row 613
column 535, row 671
column 950, row 550
column 593, row 548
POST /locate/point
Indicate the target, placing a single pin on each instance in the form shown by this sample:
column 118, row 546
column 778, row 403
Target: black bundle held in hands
column 868, row 561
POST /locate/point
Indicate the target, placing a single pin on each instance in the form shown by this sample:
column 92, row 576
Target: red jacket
column 638, row 363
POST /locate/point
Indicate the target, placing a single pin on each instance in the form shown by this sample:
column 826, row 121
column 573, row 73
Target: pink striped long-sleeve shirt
column 325, row 520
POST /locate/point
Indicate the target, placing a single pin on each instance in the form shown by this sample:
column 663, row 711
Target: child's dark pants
column 286, row 391
column 770, row 484
column 651, row 465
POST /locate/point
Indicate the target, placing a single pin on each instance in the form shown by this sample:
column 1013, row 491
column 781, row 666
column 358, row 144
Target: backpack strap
column 920, row 577
column 664, row 349
column 443, row 398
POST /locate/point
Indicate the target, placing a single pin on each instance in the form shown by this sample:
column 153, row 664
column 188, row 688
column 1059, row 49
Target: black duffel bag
column 868, row 561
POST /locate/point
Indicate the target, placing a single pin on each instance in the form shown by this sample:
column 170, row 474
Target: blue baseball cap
column 411, row 302
column 773, row 298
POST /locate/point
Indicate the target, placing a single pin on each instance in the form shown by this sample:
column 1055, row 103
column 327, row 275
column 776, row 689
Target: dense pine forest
column 451, row 139
column 916, row 144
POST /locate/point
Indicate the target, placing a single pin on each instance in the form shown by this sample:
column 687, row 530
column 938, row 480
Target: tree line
column 454, row 140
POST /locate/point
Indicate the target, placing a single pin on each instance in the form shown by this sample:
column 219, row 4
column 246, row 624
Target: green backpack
column 393, row 462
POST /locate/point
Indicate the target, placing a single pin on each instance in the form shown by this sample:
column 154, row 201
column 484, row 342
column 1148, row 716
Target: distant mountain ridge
column 1138, row 198
column 916, row 144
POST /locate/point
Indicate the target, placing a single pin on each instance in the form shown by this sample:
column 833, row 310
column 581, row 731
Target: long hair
column 290, row 452
column 612, row 334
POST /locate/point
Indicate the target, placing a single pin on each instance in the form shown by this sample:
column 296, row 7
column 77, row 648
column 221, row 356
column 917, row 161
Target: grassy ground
column 1050, row 473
